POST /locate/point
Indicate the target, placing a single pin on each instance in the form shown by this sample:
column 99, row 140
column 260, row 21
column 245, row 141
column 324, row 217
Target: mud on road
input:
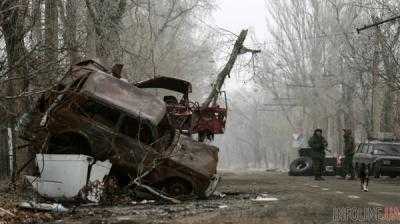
column 300, row 200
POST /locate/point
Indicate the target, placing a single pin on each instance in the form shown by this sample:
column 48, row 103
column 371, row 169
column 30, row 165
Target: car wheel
column 177, row 187
column 301, row 166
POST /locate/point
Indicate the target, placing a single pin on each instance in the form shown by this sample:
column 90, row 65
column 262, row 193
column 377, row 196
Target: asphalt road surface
column 297, row 200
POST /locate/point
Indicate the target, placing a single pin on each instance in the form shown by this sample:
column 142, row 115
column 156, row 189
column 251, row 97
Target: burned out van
column 92, row 112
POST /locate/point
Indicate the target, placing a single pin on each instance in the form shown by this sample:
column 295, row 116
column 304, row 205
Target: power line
column 221, row 30
column 319, row 36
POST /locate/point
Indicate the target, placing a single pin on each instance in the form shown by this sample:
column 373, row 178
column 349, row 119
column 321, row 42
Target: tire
column 301, row 167
column 177, row 187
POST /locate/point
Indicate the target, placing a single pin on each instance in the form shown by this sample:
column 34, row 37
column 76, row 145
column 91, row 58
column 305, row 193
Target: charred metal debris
column 148, row 141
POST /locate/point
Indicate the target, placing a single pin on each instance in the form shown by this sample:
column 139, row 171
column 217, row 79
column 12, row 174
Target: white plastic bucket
column 63, row 176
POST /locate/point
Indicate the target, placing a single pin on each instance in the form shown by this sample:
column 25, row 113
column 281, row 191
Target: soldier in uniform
column 348, row 153
column 363, row 174
column 318, row 145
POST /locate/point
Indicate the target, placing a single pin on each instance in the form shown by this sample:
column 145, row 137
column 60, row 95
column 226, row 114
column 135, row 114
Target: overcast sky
column 235, row 15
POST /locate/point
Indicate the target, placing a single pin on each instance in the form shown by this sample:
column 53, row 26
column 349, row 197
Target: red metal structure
column 186, row 115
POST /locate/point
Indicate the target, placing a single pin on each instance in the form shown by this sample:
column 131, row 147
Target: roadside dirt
column 300, row 200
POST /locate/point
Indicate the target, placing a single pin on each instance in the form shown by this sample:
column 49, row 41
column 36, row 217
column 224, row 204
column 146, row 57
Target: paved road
column 299, row 200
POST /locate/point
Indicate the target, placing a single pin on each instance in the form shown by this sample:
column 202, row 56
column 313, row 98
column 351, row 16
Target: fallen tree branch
column 136, row 181
column 151, row 190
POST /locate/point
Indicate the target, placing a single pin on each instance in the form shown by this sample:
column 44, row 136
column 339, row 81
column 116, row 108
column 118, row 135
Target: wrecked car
column 93, row 112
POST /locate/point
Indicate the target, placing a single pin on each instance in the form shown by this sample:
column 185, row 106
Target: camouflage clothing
column 318, row 166
column 348, row 152
column 348, row 142
column 318, row 145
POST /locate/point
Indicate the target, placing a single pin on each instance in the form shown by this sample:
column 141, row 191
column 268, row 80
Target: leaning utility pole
column 377, row 23
column 238, row 49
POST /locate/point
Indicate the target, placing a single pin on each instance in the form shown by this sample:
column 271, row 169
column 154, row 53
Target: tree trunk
column 106, row 17
column 69, row 15
column 37, row 23
column 13, row 18
column 51, row 39
column 90, row 49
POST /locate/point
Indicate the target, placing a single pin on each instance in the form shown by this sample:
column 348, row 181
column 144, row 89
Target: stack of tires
column 303, row 166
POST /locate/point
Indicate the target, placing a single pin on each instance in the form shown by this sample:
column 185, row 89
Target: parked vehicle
column 303, row 166
column 94, row 113
column 382, row 158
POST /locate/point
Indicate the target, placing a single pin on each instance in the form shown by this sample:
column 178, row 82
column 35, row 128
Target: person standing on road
column 348, row 153
column 318, row 145
column 363, row 174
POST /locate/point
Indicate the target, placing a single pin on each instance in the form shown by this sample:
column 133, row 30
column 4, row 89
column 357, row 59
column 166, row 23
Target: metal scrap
column 59, row 208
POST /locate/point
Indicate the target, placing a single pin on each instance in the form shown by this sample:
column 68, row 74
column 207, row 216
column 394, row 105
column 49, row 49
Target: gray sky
column 235, row 15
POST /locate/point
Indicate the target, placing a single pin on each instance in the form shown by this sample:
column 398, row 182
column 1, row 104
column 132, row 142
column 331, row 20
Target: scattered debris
column 223, row 206
column 59, row 208
column 212, row 186
column 219, row 194
column 4, row 211
column 325, row 189
column 147, row 201
column 136, row 181
column 264, row 198
column 353, row 196
column 89, row 205
column 375, row 204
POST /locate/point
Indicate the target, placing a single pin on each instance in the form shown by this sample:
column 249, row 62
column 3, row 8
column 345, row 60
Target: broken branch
column 136, row 181
column 151, row 190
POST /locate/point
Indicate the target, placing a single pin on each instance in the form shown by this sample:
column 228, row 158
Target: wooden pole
column 238, row 48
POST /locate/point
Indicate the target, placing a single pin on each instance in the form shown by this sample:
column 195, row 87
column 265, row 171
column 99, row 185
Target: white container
column 63, row 176
column 99, row 170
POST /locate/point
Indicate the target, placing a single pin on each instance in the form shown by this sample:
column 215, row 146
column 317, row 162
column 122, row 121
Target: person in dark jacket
column 363, row 174
column 318, row 146
column 348, row 153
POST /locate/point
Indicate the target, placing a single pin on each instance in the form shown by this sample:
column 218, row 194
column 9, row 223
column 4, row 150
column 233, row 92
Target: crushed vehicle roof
column 169, row 83
column 124, row 96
